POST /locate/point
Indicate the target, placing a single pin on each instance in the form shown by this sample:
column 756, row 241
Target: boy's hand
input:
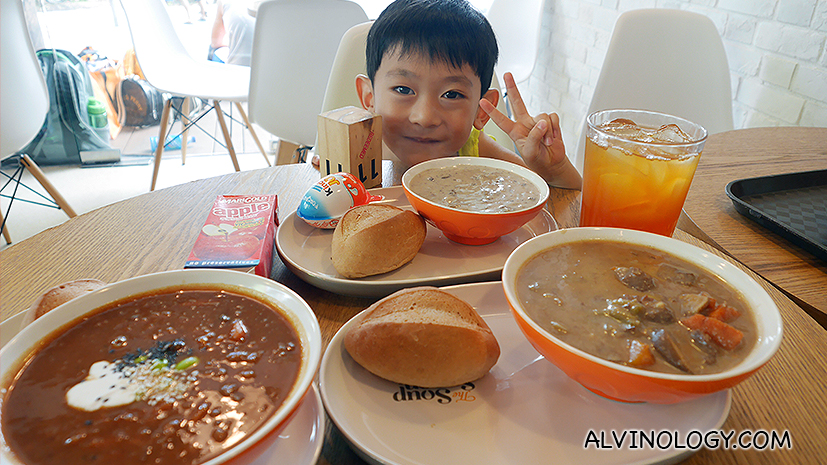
column 538, row 139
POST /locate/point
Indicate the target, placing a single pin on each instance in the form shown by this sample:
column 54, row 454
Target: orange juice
column 635, row 179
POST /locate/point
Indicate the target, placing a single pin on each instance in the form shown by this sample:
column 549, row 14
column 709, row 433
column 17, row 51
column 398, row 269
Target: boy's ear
column 493, row 96
column 364, row 89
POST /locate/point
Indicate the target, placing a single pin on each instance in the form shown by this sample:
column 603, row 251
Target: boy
column 430, row 64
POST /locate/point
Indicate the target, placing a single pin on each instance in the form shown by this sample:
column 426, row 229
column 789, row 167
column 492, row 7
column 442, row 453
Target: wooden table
column 747, row 153
column 155, row 231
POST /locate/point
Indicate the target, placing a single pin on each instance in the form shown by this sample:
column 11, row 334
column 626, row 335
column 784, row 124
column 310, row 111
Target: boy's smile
column 427, row 107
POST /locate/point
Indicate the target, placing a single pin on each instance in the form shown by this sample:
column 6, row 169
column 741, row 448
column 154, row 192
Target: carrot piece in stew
column 710, row 306
column 695, row 321
column 640, row 354
column 721, row 333
column 724, row 313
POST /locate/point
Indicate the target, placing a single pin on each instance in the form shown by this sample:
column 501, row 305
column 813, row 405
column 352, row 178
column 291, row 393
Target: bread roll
column 423, row 337
column 59, row 295
column 374, row 238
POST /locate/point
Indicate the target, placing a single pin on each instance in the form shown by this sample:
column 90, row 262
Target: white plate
column 299, row 443
column 525, row 410
column 305, row 250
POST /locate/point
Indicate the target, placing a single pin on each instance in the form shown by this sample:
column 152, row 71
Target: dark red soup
column 179, row 377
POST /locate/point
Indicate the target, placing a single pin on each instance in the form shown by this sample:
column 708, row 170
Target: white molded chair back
column 169, row 67
column 350, row 62
column 671, row 61
column 24, row 104
column 294, row 46
column 167, row 64
column 25, row 98
column 516, row 24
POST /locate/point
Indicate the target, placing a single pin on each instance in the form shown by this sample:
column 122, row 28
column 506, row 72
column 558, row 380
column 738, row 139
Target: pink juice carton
column 239, row 233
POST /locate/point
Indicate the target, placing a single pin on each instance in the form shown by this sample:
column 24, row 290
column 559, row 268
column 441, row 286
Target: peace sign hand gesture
column 538, row 138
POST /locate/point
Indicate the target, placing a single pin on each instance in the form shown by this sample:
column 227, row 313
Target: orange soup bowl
column 468, row 227
column 626, row 383
column 18, row 353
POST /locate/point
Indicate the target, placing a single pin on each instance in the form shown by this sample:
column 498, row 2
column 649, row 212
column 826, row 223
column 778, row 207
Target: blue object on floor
column 173, row 143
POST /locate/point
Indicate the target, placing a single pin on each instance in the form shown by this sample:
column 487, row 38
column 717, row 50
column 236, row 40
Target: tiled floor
column 208, row 137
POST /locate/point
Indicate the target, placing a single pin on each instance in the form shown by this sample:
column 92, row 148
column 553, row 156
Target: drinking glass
column 637, row 169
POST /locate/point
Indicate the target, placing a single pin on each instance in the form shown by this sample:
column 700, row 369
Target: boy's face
column 427, row 107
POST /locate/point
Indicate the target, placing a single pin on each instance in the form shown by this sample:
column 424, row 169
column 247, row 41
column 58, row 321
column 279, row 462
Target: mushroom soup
column 476, row 188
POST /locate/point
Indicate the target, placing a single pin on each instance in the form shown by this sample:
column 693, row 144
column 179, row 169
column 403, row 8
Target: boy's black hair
column 452, row 31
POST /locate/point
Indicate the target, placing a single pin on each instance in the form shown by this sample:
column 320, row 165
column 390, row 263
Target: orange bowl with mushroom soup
column 474, row 201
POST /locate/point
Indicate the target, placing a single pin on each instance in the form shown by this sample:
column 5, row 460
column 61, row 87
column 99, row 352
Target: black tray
column 791, row 205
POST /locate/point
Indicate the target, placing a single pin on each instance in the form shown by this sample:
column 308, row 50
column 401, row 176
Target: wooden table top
column 155, row 231
column 748, row 153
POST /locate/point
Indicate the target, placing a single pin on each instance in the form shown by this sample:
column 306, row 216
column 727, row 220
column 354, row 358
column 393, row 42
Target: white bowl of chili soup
column 190, row 366
column 474, row 200
column 640, row 317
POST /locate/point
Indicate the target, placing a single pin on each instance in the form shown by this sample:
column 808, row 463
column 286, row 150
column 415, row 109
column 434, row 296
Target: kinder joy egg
column 325, row 203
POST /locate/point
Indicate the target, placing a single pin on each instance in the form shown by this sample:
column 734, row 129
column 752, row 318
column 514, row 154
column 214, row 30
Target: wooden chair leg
column 6, row 234
column 185, row 113
column 252, row 132
column 227, row 138
column 162, row 136
column 50, row 188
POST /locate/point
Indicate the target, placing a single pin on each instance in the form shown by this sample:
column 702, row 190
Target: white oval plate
column 300, row 442
column 305, row 250
column 525, row 410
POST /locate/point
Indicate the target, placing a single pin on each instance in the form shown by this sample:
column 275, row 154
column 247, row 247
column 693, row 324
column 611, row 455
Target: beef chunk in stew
column 634, row 278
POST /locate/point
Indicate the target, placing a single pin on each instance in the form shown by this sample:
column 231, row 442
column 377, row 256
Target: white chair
column 294, row 45
column 350, row 62
column 664, row 60
column 516, row 24
column 168, row 66
column 23, row 106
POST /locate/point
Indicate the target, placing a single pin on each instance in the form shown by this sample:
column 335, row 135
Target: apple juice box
column 239, row 233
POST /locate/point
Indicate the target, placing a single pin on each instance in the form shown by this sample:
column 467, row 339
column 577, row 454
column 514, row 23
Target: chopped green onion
column 159, row 363
column 186, row 363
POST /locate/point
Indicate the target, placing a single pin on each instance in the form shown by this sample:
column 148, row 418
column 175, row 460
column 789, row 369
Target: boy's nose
column 424, row 113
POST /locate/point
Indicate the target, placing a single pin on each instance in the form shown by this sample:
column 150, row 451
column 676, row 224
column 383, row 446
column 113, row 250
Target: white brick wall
column 777, row 51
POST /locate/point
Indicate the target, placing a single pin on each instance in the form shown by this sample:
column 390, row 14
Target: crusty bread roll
column 374, row 238
column 425, row 337
column 59, row 295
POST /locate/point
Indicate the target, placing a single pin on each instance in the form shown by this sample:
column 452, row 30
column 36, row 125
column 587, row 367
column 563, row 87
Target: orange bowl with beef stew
column 182, row 367
column 639, row 317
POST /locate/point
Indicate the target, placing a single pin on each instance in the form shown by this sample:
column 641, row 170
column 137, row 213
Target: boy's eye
column 452, row 94
column 403, row 90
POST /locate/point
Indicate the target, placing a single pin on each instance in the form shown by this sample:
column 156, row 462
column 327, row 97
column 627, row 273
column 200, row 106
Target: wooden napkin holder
column 350, row 140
